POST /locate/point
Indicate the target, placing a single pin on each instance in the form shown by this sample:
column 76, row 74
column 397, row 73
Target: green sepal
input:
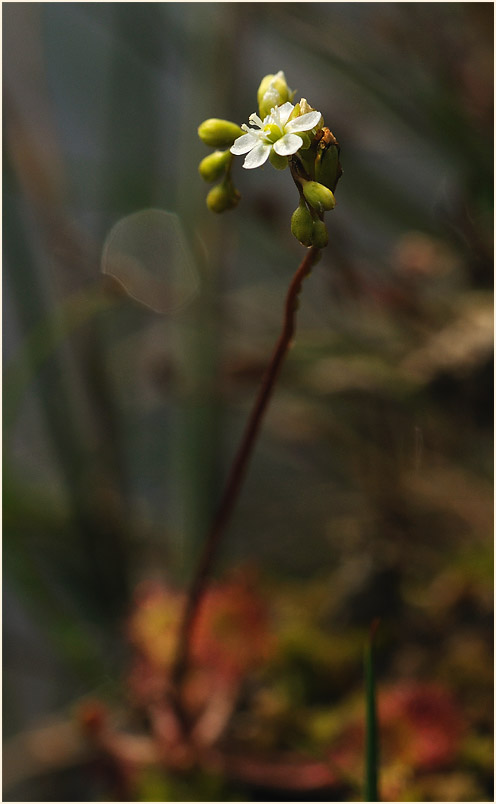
column 307, row 159
column 279, row 162
column 307, row 140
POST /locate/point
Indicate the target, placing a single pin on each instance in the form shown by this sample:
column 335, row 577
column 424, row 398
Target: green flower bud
column 318, row 196
column 320, row 238
column 219, row 133
column 273, row 91
column 222, row 197
column 279, row 162
column 302, row 224
column 214, row 165
column 327, row 167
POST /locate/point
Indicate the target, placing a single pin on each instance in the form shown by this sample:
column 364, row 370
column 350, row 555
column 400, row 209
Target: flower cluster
column 276, row 134
column 285, row 134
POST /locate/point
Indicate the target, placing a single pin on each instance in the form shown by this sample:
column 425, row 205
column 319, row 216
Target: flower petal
column 257, row 156
column 283, row 112
column 305, row 122
column 288, row 145
column 244, row 144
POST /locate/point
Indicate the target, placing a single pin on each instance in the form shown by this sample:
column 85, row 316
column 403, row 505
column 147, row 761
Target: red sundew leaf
column 420, row 727
column 281, row 771
column 152, row 627
column 232, row 636
column 428, row 720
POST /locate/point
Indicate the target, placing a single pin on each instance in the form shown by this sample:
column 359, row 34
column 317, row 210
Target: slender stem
column 235, row 479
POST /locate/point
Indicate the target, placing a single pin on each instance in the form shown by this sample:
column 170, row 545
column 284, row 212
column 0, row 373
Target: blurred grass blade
column 41, row 342
column 371, row 726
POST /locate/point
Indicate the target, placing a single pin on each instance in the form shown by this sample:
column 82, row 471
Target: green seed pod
column 318, row 196
column 222, row 197
column 214, row 165
column 279, row 162
column 320, row 238
column 302, row 224
column 219, row 133
column 273, row 91
column 327, row 167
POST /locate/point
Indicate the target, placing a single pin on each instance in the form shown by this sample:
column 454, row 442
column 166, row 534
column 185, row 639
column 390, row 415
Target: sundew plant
column 188, row 734
column 289, row 136
column 247, row 402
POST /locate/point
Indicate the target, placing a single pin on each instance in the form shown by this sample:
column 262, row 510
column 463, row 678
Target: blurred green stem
column 207, row 80
column 40, row 343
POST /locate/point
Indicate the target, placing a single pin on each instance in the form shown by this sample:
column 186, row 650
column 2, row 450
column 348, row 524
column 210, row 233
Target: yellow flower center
column 273, row 132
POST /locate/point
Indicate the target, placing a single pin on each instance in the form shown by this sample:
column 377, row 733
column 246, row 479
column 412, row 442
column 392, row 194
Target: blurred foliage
column 370, row 491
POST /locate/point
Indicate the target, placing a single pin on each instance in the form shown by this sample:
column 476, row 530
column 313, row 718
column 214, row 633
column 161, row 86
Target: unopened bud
column 273, row 91
column 327, row 167
column 214, row 165
column 318, row 196
column 219, row 133
column 222, row 197
column 302, row 224
column 320, row 238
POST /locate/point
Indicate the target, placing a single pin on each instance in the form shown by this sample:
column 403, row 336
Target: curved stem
column 235, row 480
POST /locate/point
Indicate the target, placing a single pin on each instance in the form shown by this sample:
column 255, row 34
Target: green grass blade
column 41, row 342
column 371, row 791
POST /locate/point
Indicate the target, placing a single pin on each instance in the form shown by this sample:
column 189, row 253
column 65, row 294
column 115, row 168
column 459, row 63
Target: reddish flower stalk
column 233, row 486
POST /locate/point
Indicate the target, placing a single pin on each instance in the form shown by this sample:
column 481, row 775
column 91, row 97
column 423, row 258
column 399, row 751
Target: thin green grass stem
column 371, row 791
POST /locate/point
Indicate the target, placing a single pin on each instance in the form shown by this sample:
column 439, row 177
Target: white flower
column 275, row 132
